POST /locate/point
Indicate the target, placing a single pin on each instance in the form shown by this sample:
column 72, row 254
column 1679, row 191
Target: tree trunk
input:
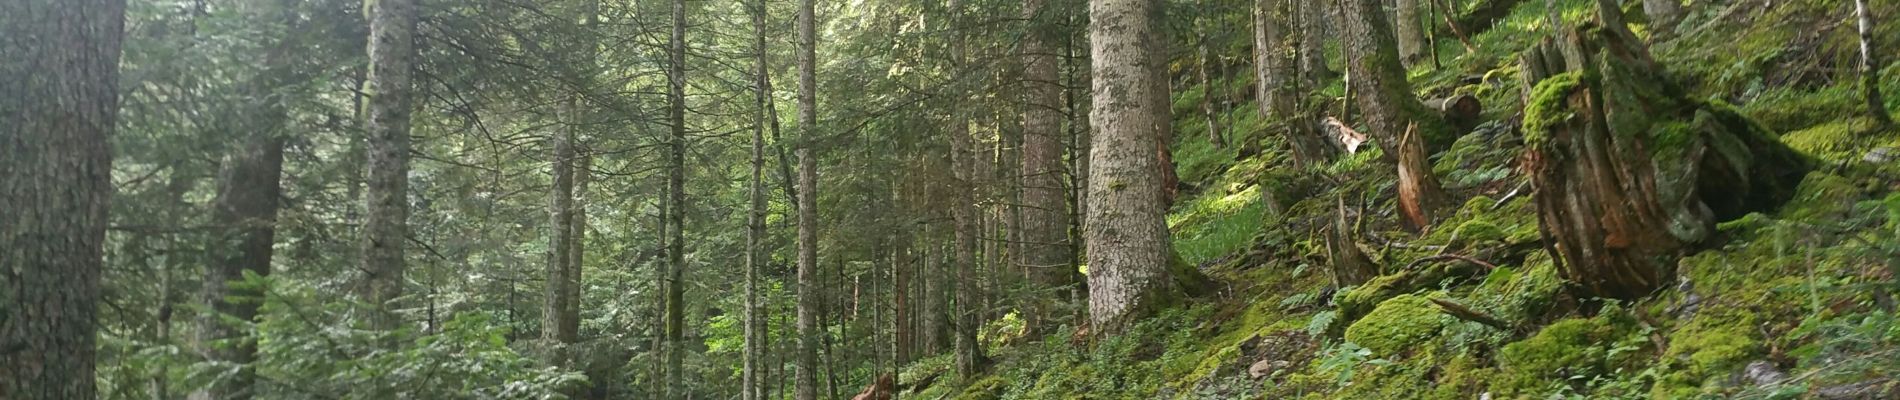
column 554, row 311
column 245, row 211
column 1411, row 35
column 1209, row 90
column 1045, row 211
column 1623, row 186
column 807, row 379
column 752, row 380
column 1869, row 66
column 1387, row 103
column 1276, row 59
column 1315, row 25
column 392, row 56
column 676, row 208
column 965, row 213
column 1350, row 264
column 1129, row 275
column 59, row 82
column 1662, row 14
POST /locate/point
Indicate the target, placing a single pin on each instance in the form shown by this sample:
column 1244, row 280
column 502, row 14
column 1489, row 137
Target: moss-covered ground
column 1789, row 303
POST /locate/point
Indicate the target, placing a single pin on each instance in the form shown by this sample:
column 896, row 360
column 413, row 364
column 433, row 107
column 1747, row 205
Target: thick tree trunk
column 807, row 379
column 751, row 386
column 1387, row 103
column 59, row 100
column 1045, row 210
column 1127, row 234
column 1869, row 66
column 392, row 56
column 245, row 211
column 965, row 213
column 676, row 208
column 1276, row 59
column 1623, row 185
column 1411, row 35
column 1315, row 25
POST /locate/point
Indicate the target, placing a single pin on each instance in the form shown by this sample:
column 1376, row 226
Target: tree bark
column 965, row 213
column 1315, row 25
column 1869, row 66
column 1045, row 210
column 1624, row 187
column 392, row 56
column 245, row 211
column 676, row 208
column 1411, row 35
column 807, row 379
column 1387, row 103
column 554, row 315
column 1276, row 59
column 751, row 386
column 1662, row 14
column 59, row 82
column 1129, row 275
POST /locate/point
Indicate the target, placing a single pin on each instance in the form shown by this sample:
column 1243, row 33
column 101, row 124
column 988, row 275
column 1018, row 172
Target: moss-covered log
column 1629, row 173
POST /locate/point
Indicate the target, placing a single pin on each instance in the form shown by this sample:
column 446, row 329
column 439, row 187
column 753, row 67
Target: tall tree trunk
column 1315, row 25
column 1127, row 234
column 1162, row 82
column 245, row 211
column 1616, row 202
column 807, row 205
column 554, row 322
column 1073, row 98
column 59, row 85
column 965, row 213
column 902, row 259
column 1388, row 105
column 751, row 385
column 1276, row 58
column 392, row 56
column 676, row 208
column 1411, row 34
column 1045, row 209
column 1209, row 90
column 1869, row 66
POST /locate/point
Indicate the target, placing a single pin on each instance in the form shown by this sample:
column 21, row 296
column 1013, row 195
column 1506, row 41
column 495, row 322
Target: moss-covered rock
column 1561, row 352
column 1397, row 325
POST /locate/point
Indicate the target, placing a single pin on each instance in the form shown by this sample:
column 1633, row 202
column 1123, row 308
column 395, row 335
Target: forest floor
column 1789, row 303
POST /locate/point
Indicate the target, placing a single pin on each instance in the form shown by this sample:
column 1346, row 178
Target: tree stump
column 1629, row 173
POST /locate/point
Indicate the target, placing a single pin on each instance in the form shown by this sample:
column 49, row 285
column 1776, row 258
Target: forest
column 949, row 199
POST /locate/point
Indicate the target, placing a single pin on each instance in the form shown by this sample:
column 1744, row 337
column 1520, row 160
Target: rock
column 1882, row 155
column 1763, row 373
column 1265, row 368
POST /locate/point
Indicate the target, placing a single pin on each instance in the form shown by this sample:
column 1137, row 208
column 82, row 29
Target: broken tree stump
column 1629, row 173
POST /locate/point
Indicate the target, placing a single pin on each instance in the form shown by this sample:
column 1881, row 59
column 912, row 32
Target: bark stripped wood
column 59, row 100
column 1421, row 198
column 1629, row 173
column 1347, row 138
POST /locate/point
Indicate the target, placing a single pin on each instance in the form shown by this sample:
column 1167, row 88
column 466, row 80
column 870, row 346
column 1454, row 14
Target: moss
column 1397, row 325
column 988, row 388
column 1785, row 110
column 1837, row 140
column 1821, row 195
column 1548, row 107
column 1708, row 349
column 1560, row 352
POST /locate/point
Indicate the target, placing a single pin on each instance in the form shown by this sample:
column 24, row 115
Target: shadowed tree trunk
column 1129, row 275
column 807, row 353
column 752, row 385
column 59, row 102
column 1630, row 173
column 1276, row 58
column 1315, row 25
column 676, row 208
column 1390, row 108
column 964, row 213
column 392, row 56
column 1045, row 210
column 555, row 320
column 1411, row 36
column 246, row 212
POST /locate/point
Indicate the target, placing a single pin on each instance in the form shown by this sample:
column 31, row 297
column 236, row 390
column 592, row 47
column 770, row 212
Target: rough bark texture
column 59, row 81
column 1276, row 67
column 676, row 207
column 245, row 211
column 1387, row 102
column 1315, row 25
column 807, row 379
column 1629, row 173
column 965, row 214
column 1411, row 35
column 752, row 387
column 1045, row 211
column 1869, row 66
column 1127, row 235
column 392, row 56
column 554, row 316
